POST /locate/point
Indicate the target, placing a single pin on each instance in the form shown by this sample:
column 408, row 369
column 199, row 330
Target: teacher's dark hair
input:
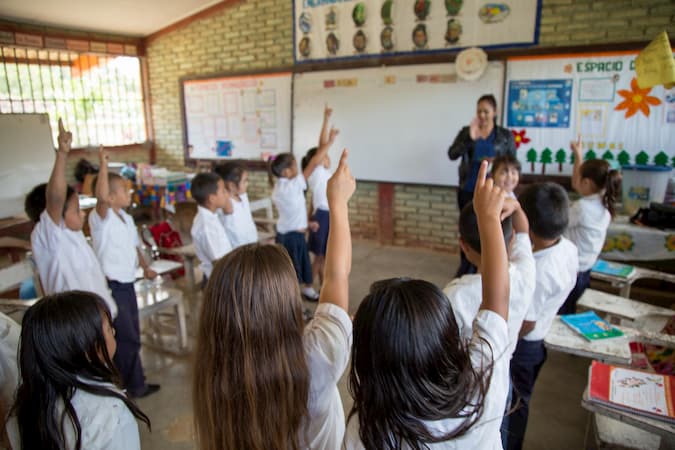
column 488, row 98
column 63, row 349
column 410, row 365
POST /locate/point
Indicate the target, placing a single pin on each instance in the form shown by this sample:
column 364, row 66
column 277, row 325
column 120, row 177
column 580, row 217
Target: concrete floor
column 557, row 420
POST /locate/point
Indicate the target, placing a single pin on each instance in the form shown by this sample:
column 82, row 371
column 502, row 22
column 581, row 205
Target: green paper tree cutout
column 661, row 159
column 608, row 156
column 590, row 154
column 560, row 157
column 545, row 158
column 623, row 158
column 571, row 157
column 642, row 158
column 672, row 161
column 532, row 158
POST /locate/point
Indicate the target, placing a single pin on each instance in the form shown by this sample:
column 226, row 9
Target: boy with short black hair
column 546, row 206
column 64, row 259
column 208, row 234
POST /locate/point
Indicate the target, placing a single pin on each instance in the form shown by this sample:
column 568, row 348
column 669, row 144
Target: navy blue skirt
column 318, row 240
column 295, row 245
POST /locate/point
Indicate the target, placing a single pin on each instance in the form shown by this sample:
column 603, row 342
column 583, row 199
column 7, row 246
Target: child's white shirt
column 66, row 262
column 10, row 331
column 106, row 422
column 587, row 229
column 557, row 268
column 240, row 227
column 209, row 238
column 115, row 240
column 465, row 293
column 289, row 198
column 327, row 341
column 318, row 183
column 488, row 343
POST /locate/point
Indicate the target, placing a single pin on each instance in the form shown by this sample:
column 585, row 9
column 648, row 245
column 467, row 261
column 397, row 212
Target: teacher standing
column 483, row 139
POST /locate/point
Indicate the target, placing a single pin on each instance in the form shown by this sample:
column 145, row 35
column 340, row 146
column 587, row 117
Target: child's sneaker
column 310, row 294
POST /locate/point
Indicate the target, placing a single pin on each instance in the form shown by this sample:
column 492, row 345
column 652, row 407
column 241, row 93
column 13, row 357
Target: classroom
column 201, row 115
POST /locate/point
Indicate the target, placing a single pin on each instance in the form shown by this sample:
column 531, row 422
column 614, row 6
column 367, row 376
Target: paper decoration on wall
column 655, row 65
column 447, row 25
column 636, row 100
column 471, row 63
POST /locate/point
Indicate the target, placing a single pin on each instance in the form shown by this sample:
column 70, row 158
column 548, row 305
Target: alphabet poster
column 338, row 29
column 549, row 100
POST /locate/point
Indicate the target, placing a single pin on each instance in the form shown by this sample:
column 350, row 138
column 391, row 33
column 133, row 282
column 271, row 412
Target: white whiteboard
column 26, row 158
column 250, row 114
column 397, row 122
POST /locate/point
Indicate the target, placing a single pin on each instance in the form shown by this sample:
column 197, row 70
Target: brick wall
column 257, row 35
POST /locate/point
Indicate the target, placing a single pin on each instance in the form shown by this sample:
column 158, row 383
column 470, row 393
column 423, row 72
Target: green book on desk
column 591, row 326
column 612, row 268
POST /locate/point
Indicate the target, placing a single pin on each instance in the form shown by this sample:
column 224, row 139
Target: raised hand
column 341, row 185
column 332, row 135
column 65, row 138
column 488, row 199
column 473, row 129
column 102, row 156
column 327, row 111
column 576, row 146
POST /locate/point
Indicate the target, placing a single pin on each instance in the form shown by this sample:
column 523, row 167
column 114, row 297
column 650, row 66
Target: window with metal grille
column 99, row 97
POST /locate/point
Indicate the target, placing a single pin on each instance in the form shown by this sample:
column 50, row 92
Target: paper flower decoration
column 636, row 99
column 520, row 138
column 670, row 242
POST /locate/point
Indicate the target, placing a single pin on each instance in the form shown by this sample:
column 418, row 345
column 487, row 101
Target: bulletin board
column 551, row 99
column 237, row 117
column 397, row 122
column 326, row 30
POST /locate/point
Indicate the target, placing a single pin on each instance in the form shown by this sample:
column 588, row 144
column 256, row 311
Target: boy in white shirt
column 239, row 224
column 547, row 209
column 208, row 234
column 64, row 260
column 115, row 240
column 464, row 293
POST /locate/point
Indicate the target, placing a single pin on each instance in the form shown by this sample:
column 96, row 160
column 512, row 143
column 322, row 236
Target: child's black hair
column 36, row 201
column 84, row 167
column 230, row 172
column 203, row 185
column 278, row 164
column 506, row 159
column 308, row 157
column 547, row 209
column 63, row 348
column 600, row 173
column 111, row 177
column 468, row 228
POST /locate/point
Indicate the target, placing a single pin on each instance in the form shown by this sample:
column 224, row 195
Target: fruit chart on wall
column 339, row 29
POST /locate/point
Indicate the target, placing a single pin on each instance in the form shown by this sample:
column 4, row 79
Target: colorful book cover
column 612, row 268
column 590, row 326
column 632, row 390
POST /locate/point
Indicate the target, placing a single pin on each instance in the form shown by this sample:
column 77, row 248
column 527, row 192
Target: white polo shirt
column 289, row 198
column 66, row 261
column 327, row 341
column 489, row 328
column 209, row 238
column 240, row 227
column 465, row 293
column 318, row 183
column 589, row 220
column 115, row 240
column 557, row 268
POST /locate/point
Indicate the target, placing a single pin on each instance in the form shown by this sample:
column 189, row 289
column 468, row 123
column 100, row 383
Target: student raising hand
column 488, row 202
column 341, row 186
column 65, row 138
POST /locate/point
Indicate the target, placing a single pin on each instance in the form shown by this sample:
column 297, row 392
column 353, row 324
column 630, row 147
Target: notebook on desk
column 591, row 326
column 633, row 391
column 613, row 269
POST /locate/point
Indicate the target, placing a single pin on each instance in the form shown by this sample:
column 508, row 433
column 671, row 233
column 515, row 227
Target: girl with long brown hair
column 262, row 379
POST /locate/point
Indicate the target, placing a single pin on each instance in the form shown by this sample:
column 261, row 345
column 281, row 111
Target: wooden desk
column 153, row 298
column 161, row 267
column 624, row 284
column 619, row 306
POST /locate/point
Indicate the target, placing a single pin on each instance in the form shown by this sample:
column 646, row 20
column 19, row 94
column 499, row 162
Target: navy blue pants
column 127, row 358
column 465, row 267
column 570, row 305
column 318, row 240
column 525, row 365
column 296, row 246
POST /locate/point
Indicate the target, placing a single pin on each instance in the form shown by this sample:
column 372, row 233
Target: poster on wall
column 551, row 100
column 338, row 29
column 240, row 117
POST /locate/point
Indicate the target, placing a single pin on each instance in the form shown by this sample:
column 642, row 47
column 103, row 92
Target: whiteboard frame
column 187, row 159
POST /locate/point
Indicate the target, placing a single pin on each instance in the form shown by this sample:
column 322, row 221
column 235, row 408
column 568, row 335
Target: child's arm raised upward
column 102, row 186
column 576, row 171
column 335, row 288
column 326, row 139
column 57, row 187
column 325, row 129
column 488, row 202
